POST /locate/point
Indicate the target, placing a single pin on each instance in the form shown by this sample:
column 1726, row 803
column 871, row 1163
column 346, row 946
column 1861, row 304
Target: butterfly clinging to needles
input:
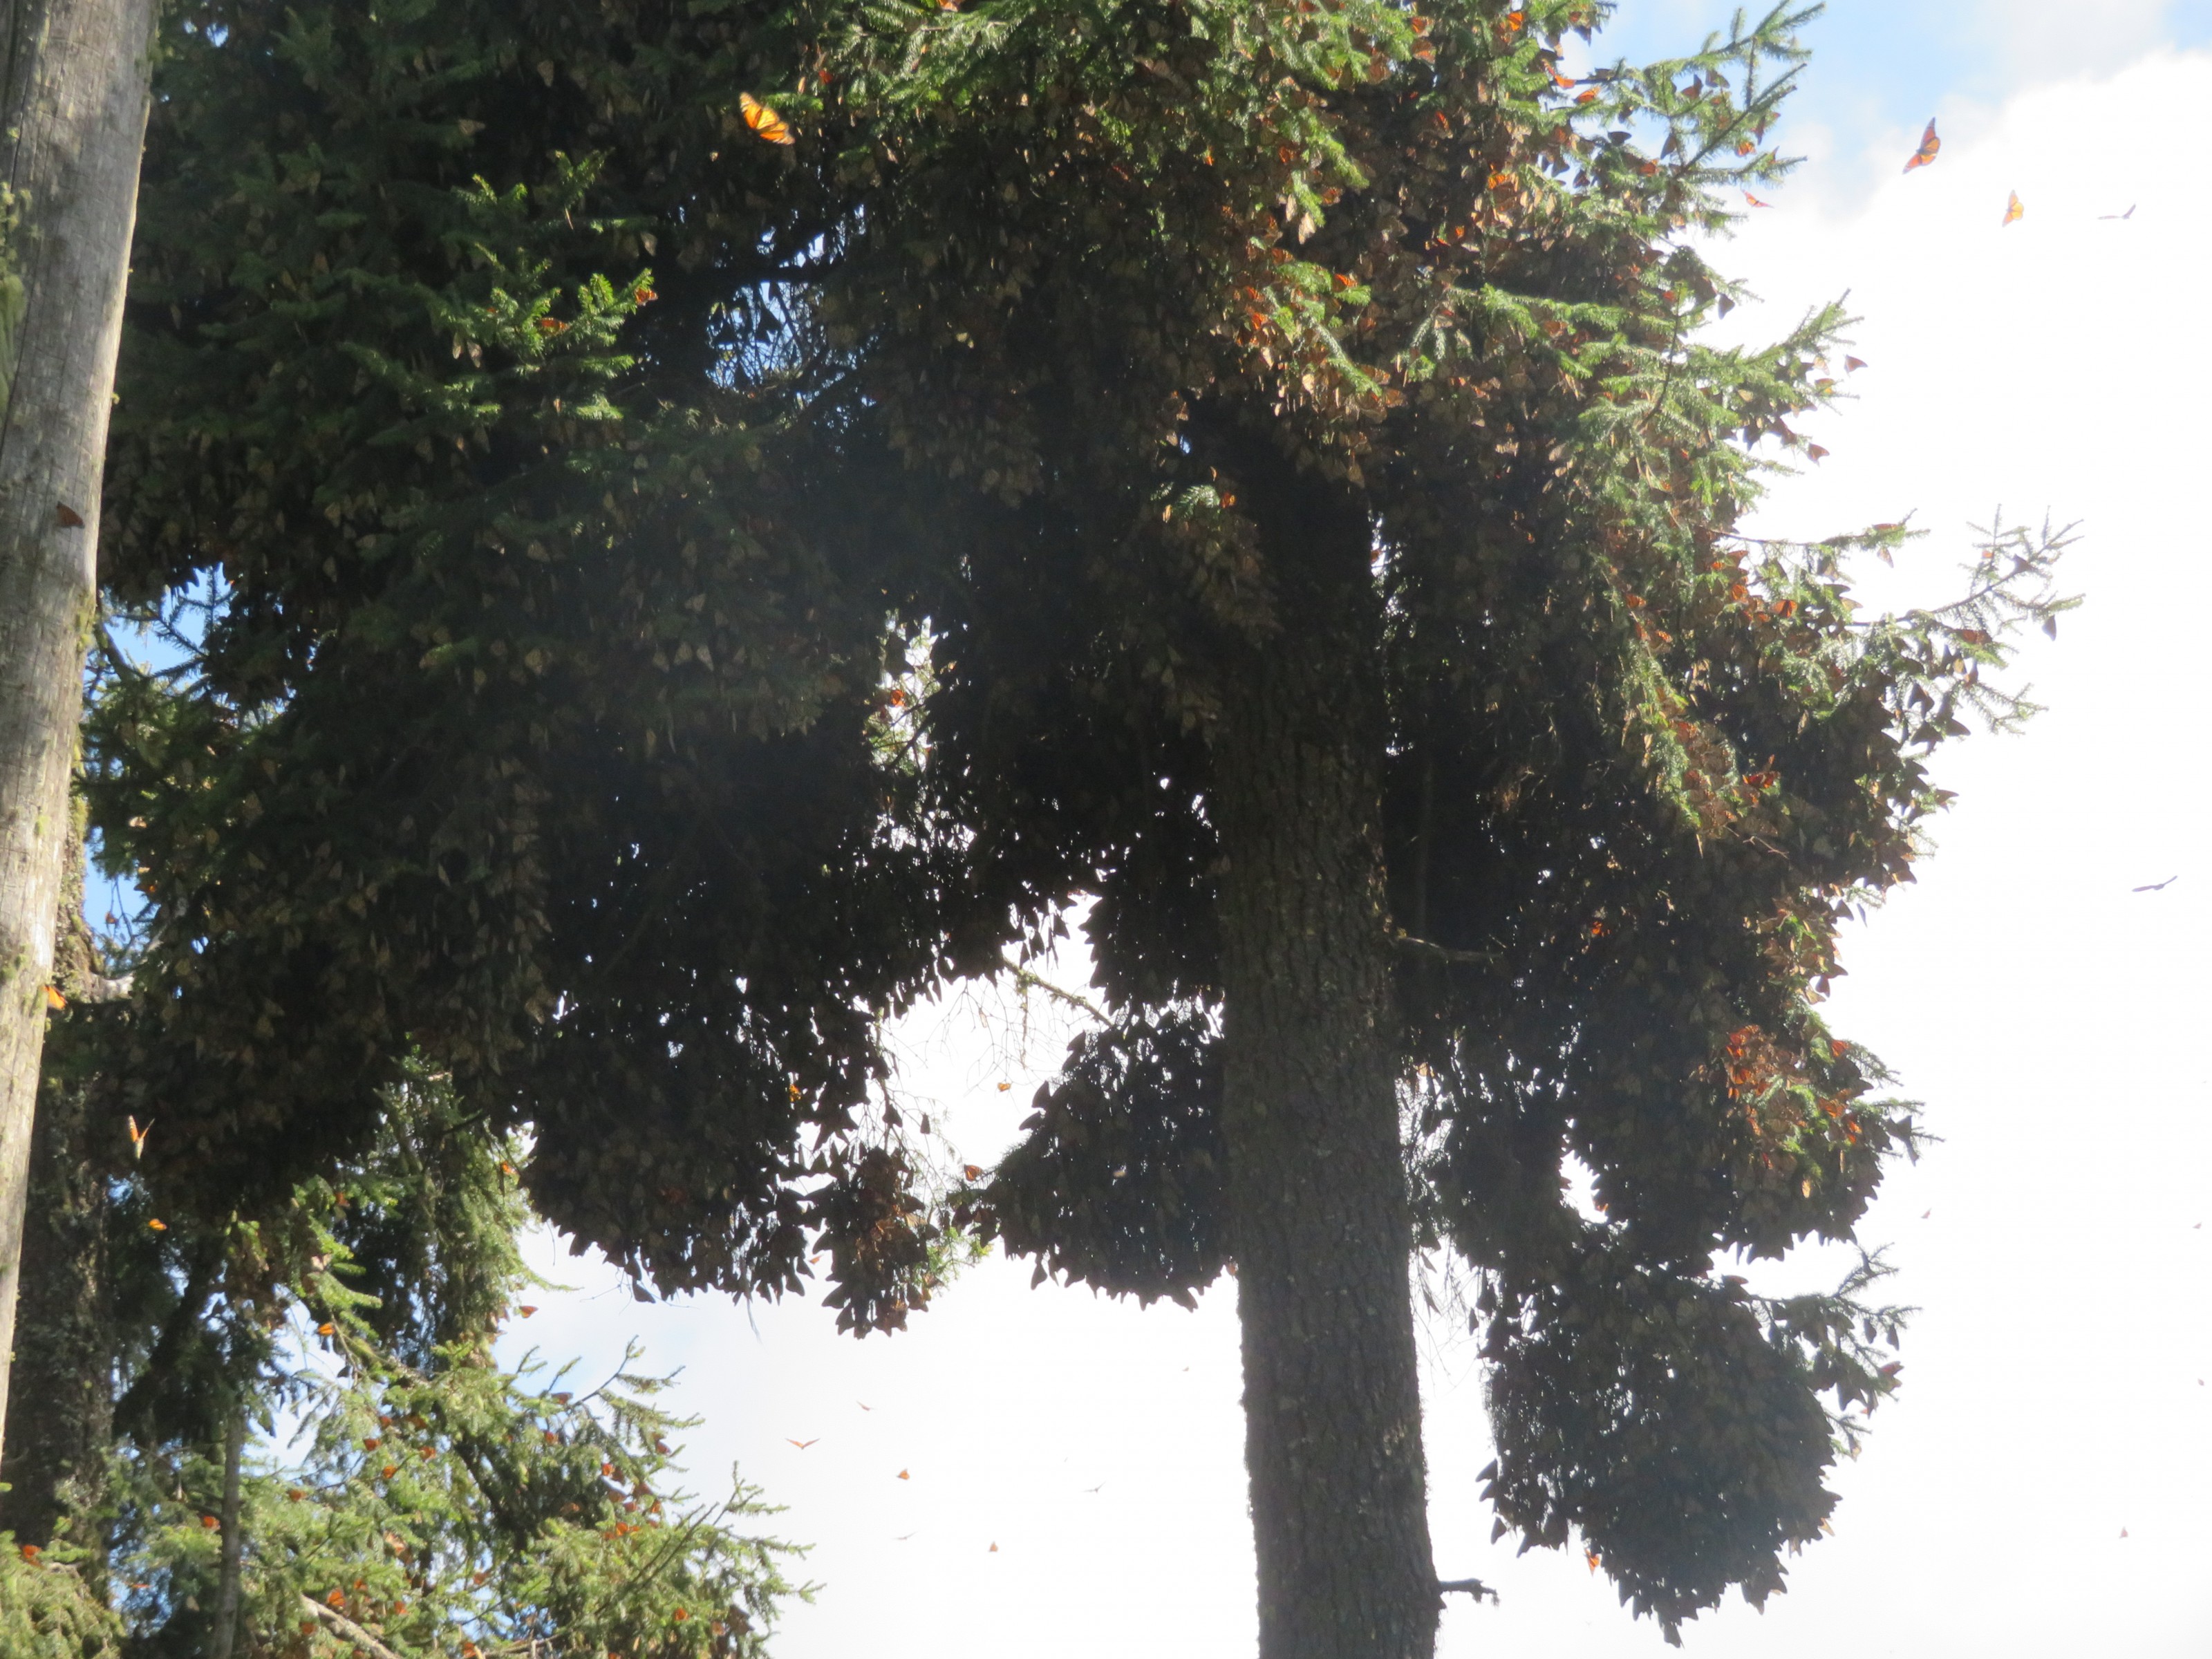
column 1929, row 143
column 764, row 120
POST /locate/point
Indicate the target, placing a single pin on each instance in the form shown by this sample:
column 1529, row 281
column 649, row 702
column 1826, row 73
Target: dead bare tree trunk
column 73, row 98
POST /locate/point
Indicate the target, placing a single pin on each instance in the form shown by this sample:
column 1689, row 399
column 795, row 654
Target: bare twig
column 1035, row 982
column 1406, row 941
column 1474, row 1587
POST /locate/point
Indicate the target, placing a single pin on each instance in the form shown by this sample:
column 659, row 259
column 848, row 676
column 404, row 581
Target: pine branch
column 346, row 1627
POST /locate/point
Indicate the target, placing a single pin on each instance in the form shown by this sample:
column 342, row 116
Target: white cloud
column 2049, row 39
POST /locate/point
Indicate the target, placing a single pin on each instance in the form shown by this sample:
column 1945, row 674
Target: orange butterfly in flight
column 803, row 1444
column 1929, row 143
column 138, row 1136
column 764, row 120
column 2012, row 207
column 1755, row 201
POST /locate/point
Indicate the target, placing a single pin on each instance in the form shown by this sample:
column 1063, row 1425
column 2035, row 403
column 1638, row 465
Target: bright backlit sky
column 2040, row 1487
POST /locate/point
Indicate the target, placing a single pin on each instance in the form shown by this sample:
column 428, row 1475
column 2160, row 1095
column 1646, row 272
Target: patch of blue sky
column 1880, row 66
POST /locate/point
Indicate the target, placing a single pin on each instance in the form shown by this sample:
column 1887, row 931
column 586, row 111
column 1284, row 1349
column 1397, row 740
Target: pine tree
column 1347, row 591
column 514, row 708
column 391, row 1485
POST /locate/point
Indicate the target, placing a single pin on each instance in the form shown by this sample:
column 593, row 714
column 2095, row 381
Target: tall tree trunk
column 226, row 1600
column 73, row 97
column 61, row 1420
column 1319, row 1218
column 61, row 1411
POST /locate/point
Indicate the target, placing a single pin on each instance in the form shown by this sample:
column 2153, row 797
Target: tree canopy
column 708, row 522
column 521, row 708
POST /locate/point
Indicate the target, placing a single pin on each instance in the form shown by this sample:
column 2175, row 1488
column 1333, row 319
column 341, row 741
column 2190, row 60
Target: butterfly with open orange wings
column 1929, row 143
column 765, row 121
column 2012, row 209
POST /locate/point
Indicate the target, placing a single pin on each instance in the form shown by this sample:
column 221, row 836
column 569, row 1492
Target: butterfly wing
column 765, row 121
column 2012, row 207
column 1929, row 143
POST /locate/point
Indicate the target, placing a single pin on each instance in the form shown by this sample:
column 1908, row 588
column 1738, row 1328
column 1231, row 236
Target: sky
column 2037, row 1486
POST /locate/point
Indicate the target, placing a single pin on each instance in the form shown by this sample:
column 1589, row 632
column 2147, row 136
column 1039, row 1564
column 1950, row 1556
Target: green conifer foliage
column 521, row 711
column 399, row 1484
column 462, row 1512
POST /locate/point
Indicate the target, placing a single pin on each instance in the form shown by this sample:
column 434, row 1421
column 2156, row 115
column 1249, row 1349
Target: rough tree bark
column 1319, row 1217
column 61, row 1421
column 62, row 1415
column 73, row 98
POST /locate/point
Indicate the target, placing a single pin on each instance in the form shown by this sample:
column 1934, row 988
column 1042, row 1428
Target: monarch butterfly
column 138, row 1136
column 764, row 120
column 1755, row 202
column 2012, row 207
column 1929, row 143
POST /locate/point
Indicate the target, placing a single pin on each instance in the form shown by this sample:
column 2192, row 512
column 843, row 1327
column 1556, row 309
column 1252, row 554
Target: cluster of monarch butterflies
column 769, row 126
